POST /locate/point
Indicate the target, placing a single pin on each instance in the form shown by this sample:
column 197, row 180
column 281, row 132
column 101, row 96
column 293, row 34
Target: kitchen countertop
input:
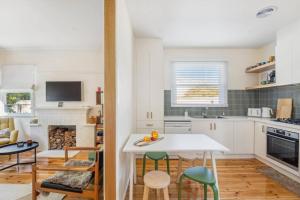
column 235, row 118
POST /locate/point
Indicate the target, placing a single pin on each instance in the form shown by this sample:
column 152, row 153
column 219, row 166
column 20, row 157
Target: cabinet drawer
column 150, row 124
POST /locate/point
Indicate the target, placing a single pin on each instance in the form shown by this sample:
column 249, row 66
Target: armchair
column 8, row 122
column 92, row 190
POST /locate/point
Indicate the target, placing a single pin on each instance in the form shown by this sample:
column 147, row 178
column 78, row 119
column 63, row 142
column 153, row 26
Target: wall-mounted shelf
column 261, row 86
column 262, row 68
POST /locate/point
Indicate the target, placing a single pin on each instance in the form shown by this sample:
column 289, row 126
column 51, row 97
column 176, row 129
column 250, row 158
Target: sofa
column 7, row 124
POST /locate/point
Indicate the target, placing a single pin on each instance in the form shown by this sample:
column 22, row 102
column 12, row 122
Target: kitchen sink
column 208, row 117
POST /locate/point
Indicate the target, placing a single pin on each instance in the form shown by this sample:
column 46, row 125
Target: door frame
column 110, row 99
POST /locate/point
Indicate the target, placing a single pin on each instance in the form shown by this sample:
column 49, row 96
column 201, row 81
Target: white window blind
column 202, row 84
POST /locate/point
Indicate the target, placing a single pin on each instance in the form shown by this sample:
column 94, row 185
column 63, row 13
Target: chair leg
column 216, row 192
column 179, row 187
column 144, row 165
column 205, row 192
column 166, row 193
column 146, row 193
column 168, row 164
column 179, row 172
column 156, row 165
column 34, row 193
column 157, row 194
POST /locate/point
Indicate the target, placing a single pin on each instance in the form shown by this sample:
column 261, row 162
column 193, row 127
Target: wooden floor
column 23, row 176
column 238, row 179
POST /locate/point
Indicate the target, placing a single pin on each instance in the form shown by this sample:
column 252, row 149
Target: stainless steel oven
column 283, row 146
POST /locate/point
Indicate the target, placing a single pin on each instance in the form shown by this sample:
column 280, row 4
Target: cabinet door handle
column 263, row 128
column 215, row 126
column 147, row 115
column 151, row 115
column 149, row 124
column 210, row 126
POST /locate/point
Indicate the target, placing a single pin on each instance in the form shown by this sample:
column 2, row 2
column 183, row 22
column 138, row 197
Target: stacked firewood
column 60, row 137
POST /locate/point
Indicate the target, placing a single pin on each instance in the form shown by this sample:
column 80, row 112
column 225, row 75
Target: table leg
column 18, row 161
column 131, row 176
column 35, row 155
column 134, row 169
column 204, row 159
column 213, row 160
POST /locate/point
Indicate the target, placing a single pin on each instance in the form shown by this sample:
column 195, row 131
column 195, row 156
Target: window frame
column 173, row 85
column 4, row 92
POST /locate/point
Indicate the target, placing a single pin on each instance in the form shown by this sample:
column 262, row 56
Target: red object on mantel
column 99, row 89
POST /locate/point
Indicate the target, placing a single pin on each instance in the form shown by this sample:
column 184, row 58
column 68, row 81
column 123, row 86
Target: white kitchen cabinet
column 244, row 137
column 284, row 62
column 149, row 81
column 219, row 130
column 223, row 132
column 288, row 55
column 296, row 58
column 260, row 147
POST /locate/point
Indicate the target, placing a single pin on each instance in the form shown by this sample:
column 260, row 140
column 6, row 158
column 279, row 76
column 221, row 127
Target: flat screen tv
column 63, row 90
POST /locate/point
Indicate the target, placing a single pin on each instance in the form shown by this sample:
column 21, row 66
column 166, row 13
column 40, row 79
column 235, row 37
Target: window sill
column 18, row 115
column 200, row 106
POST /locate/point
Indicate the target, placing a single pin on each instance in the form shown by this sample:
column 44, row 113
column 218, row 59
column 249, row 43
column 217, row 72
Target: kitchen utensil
column 266, row 112
column 284, row 108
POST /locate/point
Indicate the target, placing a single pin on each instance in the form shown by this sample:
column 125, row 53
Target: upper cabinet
column 288, row 55
column 149, row 81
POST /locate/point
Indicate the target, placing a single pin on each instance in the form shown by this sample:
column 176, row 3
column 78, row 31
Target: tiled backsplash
column 268, row 97
column 238, row 103
column 240, row 100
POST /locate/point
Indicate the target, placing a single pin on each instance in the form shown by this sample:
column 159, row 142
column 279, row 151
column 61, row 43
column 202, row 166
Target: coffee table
column 11, row 149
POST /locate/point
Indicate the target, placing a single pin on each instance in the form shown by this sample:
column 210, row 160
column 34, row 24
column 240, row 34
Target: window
column 199, row 84
column 16, row 102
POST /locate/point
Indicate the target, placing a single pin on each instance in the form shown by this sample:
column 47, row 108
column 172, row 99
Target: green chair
column 156, row 156
column 203, row 176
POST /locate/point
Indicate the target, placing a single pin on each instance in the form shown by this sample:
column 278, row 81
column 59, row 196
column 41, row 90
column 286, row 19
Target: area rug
column 23, row 192
column 14, row 191
column 283, row 180
column 56, row 154
column 51, row 196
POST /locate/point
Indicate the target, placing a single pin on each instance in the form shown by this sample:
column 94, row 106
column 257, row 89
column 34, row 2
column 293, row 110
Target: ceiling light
column 267, row 11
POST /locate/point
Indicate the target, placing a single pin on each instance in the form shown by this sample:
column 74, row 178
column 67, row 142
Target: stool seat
column 157, row 180
column 188, row 156
column 156, row 155
column 200, row 175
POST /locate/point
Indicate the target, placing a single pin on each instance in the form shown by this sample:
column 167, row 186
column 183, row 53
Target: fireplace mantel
column 86, row 108
column 67, row 115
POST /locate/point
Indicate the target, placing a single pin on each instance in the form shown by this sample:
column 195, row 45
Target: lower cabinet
column 260, row 142
column 244, row 137
column 237, row 136
column 220, row 130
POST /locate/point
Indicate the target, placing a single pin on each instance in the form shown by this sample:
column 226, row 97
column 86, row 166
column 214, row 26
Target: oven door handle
column 281, row 138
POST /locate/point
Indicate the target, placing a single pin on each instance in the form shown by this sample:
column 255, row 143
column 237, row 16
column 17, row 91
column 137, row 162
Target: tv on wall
column 63, row 90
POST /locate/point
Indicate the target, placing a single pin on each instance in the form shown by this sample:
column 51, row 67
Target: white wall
column 125, row 100
column 54, row 65
column 238, row 60
column 266, row 51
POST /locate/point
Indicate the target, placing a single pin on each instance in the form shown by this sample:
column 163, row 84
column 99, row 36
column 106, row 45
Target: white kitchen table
column 178, row 143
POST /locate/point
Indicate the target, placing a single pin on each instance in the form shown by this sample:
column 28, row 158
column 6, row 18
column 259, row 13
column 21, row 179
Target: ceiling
column 210, row 23
column 51, row 23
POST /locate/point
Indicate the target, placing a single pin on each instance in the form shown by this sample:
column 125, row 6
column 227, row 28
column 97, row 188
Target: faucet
column 204, row 114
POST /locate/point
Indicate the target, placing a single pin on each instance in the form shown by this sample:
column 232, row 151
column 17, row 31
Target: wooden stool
column 189, row 157
column 156, row 180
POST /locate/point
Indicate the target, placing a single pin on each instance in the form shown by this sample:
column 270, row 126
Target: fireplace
column 61, row 135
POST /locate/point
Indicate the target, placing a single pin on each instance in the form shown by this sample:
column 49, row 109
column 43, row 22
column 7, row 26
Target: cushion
column 5, row 133
column 4, row 141
column 72, row 179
